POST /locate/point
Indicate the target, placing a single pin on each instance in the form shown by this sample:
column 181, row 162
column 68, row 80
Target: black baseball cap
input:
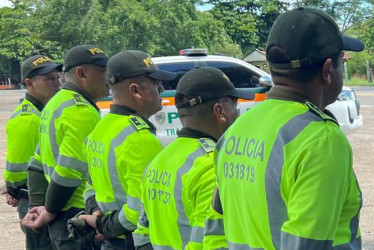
column 38, row 65
column 308, row 36
column 85, row 54
column 207, row 83
column 133, row 63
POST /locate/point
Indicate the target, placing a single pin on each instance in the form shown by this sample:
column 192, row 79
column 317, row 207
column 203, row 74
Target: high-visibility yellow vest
column 117, row 152
column 285, row 180
column 65, row 122
column 22, row 138
column 176, row 193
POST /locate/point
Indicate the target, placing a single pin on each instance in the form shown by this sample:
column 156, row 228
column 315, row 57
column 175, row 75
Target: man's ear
column 219, row 112
column 134, row 90
column 80, row 73
column 28, row 83
column 327, row 70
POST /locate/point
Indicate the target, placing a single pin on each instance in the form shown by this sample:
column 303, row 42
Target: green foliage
column 356, row 64
column 358, row 81
column 247, row 22
column 159, row 27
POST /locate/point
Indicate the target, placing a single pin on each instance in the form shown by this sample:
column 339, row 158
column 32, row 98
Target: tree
column 247, row 22
column 346, row 12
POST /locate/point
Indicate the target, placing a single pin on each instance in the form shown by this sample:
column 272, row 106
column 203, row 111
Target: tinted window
column 240, row 76
column 180, row 68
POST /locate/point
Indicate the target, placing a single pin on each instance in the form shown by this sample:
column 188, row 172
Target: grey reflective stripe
column 156, row 247
column 355, row 244
column 52, row 129
column 72, row 163
column 143, row 219
column 220, row 142
column 119, row 193
column 290, row 241
column 110, row 206
column 16, row 184
column 182, row 221
column 34, row 111
column 125, row 222
column 16, row 167
column 64, row 181
column 48, row 169
column 133, row 203
column 276, row 206
column 244, row 247
column 15, row 114
column 37, row 149
column 140, row 239
column 197, row 234
column 214, row 227
column 88, row 194
column 218, row 148
column 36, row 165
column 355, row 222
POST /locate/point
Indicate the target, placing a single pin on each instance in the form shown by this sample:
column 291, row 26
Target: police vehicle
column 243, row 75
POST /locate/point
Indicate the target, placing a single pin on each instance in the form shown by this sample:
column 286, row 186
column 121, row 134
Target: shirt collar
column 124, row 110
column 278, row 93
column 289, row 95
column 75, row 88
column 192, row 133
column 38, row 104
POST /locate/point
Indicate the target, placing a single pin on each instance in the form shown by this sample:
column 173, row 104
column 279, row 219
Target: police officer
column 65, row 122
column 178, row 185
column 39, row 74
column 284, row 172
column 122, row 145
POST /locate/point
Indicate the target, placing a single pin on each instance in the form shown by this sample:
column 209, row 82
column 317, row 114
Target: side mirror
column 266, row 81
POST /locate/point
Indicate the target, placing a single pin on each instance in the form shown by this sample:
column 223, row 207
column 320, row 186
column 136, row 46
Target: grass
column 357, row 81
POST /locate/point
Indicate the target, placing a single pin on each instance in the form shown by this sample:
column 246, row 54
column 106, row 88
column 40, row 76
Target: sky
column 8, row 4
column 5, row 3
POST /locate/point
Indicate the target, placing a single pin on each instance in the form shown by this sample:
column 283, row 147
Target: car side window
column 180, row 68
column 239, row 75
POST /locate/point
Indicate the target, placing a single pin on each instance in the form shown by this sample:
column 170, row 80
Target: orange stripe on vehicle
column 104, row 104
column 170, row 101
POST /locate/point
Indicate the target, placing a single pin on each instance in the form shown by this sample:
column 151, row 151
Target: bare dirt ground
column 362, row 142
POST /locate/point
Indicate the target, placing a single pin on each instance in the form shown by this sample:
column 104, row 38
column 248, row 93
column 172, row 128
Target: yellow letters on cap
column 41, row 60
column 95, row 51
column 148, row 61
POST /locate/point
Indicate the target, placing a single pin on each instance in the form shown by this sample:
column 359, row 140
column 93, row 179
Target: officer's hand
column 90, row 219
column 37, row 218
column 99, row 237
column 97, row 213
column 10, row 200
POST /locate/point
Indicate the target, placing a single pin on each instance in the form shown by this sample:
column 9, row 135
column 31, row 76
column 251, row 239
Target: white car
column 347, row 111
column 243, row 75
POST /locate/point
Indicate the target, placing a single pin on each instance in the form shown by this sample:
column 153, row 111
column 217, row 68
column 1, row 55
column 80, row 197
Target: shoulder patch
column 207, row 144
column 313, row 108
column 26, row 109
column 79, row 100
column 139, row 123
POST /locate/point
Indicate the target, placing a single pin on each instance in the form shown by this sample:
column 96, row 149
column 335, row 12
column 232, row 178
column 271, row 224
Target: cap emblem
column 41, row 60
column 95, row 51
column 148, row 61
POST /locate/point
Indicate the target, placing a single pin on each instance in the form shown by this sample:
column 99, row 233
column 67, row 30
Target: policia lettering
column 96, row 147
column 163, row 178
column 251, row 148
